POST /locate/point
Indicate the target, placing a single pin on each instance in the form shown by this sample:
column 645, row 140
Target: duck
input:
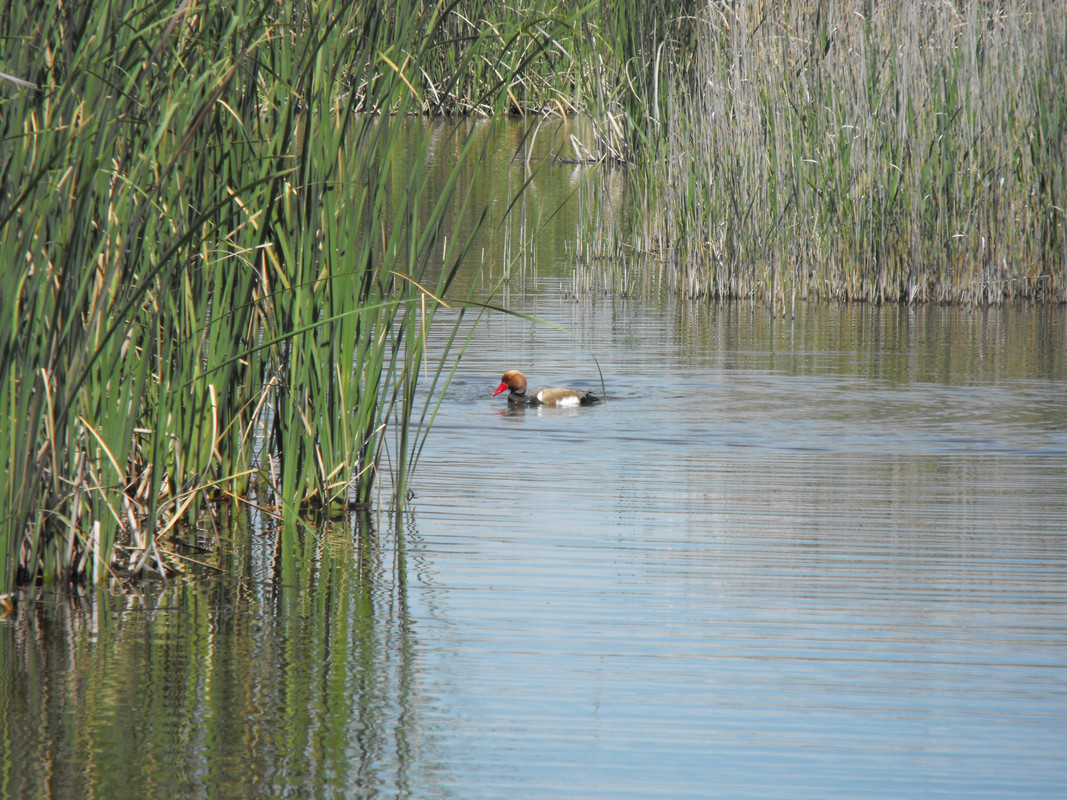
column 552, row 396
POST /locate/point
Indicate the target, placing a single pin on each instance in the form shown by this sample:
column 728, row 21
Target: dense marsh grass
column 861, row 151
column 213, row 264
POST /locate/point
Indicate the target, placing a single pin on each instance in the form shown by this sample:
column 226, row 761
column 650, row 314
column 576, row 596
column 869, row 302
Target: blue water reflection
column 820, row 579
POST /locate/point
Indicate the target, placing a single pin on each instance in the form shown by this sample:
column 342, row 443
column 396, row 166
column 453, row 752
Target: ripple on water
column 753, row 579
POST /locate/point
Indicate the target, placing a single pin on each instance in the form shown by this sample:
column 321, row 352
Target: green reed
column 870, row 151
column 216, row 283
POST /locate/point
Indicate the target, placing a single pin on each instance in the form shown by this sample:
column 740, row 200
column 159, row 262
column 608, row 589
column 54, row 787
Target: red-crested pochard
column 516, row 382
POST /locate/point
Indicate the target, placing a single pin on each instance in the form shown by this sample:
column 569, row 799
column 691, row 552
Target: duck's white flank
column 568, row 400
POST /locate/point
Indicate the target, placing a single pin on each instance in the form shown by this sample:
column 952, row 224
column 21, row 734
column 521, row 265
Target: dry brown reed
column 887, row 152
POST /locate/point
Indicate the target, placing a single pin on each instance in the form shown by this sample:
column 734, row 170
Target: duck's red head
column 513, row 380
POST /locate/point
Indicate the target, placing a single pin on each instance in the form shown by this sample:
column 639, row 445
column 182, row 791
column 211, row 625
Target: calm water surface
column 813, row 557
column 817, row 557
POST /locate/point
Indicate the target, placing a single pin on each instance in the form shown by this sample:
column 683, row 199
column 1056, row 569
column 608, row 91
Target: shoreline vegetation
column 220, row 270
column 861, row 151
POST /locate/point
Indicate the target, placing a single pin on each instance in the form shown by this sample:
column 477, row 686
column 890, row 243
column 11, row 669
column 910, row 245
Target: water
column 823, row 556
column 819, row 557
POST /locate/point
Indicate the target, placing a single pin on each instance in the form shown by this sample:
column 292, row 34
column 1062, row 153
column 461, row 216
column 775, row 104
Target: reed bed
column 885, row 152
column 217, row 282
column 486, row 57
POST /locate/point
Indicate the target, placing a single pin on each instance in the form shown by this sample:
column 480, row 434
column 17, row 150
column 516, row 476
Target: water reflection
column 821, row 556
column 304, row 684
